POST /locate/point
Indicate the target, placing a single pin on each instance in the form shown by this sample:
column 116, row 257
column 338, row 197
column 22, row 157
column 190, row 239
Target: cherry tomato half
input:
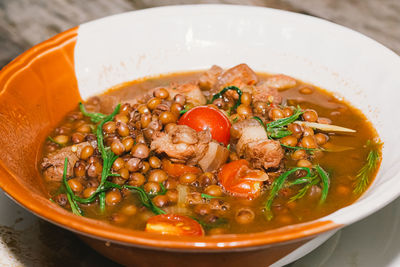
column 203, row 117
column 239, row 180
column 174, row 224
column 177, row 169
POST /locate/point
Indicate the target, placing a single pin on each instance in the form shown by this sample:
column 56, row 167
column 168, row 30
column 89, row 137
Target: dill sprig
column 364, row 174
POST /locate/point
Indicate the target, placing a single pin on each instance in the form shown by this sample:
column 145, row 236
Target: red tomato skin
column 178, row 169
column 239, row 187
column 204, row 117
column 174, row 224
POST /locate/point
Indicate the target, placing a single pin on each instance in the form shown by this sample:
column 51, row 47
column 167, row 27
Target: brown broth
column 343, row 166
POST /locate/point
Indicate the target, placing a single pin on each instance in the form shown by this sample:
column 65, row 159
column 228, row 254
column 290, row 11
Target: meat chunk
column 238, row 128
column 181, row 144
column 280, row 82
column 240, row 76
column 53, row 165
column 267, row 153
column 264, row 93
column 190, row 90
column 209, row 78
column 255, row 146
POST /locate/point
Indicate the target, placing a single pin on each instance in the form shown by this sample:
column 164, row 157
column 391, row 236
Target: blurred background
column 24, row 23
column 28, row 241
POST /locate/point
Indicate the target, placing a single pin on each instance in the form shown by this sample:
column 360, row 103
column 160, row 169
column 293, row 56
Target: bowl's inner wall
column 36, row 92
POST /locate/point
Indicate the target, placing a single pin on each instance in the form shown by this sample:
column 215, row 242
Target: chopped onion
column 214, row 158
column 183, row 192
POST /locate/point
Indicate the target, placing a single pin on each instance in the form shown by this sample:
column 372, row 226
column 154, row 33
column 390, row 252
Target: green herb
column 208, row 196
column 54, row 141
column 92, row 128
column 183, row 111
column 364, row 174
column 325, row 183
column 74, row 206
column 223, row 91
column 163, row 190
column 276, row 128
column 95, row 117
column 310, row 179
column 261, row 122
column 277, row 185
column 285, row 121
column 278, row 133
column 108, row 159
column 145, row 199
column 235, row 119
column 220, row 222
column 107, row 155
column 304, row 190
column 302, row 180
column 302, row 148
column 228, row 147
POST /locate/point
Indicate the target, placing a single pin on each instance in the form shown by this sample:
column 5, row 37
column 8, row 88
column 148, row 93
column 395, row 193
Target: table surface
column 24, row 23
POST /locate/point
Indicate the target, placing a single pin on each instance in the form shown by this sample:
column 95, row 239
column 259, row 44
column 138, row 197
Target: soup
column 214, row 152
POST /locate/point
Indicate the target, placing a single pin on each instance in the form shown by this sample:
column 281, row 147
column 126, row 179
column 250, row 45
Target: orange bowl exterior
column 37, row 89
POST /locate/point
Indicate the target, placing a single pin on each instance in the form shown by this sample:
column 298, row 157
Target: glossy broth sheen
column 342, row 166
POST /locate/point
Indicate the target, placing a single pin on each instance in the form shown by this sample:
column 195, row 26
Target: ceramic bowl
column 39, row 87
